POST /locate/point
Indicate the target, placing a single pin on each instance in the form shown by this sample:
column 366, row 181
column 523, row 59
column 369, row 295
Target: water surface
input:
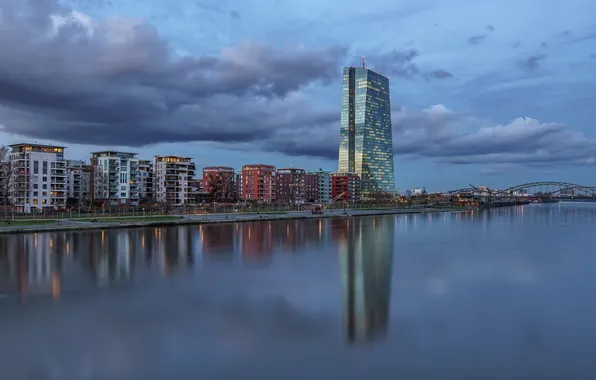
column 500, row 294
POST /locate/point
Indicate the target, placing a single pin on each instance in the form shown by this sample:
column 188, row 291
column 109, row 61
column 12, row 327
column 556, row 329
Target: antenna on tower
column 363, row 66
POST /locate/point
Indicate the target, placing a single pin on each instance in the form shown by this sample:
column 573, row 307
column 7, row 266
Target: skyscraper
column 366, row 142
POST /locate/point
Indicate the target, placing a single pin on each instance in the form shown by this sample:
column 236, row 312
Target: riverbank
column 17, row 227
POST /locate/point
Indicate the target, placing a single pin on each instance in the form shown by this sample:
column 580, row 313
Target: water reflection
column 366, row 265
column 45, row 263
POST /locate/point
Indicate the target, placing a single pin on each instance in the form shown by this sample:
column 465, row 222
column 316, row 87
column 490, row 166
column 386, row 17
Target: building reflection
column 46, row 263
column 366, row 256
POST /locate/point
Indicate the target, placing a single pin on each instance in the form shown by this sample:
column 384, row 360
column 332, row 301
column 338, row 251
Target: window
column 35, row 186
column 35, row 167
column 44, row 186
column 45, row 167
column 35, row 193
column 44, row 179
column 122, row 195
column 45, row 193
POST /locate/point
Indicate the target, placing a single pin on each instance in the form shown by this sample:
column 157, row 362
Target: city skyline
column 475, row 99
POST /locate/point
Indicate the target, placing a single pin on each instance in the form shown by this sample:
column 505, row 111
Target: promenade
column 29, row 226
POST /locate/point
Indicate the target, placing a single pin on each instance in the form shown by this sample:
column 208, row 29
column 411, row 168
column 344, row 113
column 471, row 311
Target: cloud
column 438, row 74
column 67, row 77
column 531, row 63
column 516, row 44
column 400, row 64
column 446, row 136
column 235, row 14
column 490, row 28
column 476, row 39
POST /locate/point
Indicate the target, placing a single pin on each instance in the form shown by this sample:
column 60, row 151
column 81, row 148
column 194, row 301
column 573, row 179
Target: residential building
column 290, row 186
column 39, row 173
column 366, row 139
column 146, row 181
column 311, row 187
column 78, row 182
column 323, row 185
column 173, row 176
column 258, row 183
column 115, row 178
column 345, row 187
column 220, row 182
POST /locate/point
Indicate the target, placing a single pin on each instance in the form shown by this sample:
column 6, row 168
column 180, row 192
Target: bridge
column 546, row 189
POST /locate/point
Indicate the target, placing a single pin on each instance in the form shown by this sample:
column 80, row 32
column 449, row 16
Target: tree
column 221, row 187
column 99, row 184
column 7, row 178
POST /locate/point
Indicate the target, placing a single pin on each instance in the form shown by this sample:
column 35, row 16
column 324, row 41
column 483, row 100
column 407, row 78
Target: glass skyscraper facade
column 366, row 138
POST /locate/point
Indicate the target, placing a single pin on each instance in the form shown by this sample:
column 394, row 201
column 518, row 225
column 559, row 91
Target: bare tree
column 7, row 178
column 99, row 182
column 221, row 187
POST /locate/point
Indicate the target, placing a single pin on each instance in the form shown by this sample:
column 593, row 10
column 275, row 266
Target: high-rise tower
column 366, row 138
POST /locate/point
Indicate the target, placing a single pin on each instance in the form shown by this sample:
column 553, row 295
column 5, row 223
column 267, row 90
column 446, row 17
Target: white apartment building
column 115, row 178
column 146, row 180
column 78, row 180
column 324, row 184
column 38, row 177
column 172, row 179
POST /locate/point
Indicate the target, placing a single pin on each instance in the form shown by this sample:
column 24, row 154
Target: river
column 494, row 294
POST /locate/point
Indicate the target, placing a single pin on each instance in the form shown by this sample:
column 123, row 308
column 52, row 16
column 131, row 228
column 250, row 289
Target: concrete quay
column 195, row 219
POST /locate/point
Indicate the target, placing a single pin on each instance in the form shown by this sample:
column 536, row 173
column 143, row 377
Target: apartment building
column 146, row 181
column 115, row 178
column 311, row 187
column 345, row 187
column 258, row 183
column 290, row 186
column 78, row 181
column 220, row 182
column 173, row 177
column 324, row 188
column 38, row 177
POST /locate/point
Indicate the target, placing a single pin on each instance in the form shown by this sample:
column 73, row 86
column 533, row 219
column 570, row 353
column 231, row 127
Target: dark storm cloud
column 531, row 63
column 115, row 82
column 476, row 39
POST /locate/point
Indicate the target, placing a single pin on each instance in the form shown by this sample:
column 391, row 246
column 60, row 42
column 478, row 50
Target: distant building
column 78, row 182
column 115, row 178
column 258, row 183
column 220, row 182
column 345, row 187
column 323, row 185
column 238, row 182
column 146, row 181
column 39, row 177
column 290, row 184
column 172, row 179
column 366, row 141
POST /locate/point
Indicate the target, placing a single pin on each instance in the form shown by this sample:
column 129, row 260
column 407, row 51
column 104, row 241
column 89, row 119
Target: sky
column 494, row 93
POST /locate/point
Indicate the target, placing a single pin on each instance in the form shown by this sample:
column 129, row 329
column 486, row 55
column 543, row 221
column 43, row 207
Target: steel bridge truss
column 554, row 189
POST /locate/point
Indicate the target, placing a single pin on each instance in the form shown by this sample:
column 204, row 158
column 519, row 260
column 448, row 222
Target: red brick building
column 220, row 182
column 346, row 186
column 258, row 183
